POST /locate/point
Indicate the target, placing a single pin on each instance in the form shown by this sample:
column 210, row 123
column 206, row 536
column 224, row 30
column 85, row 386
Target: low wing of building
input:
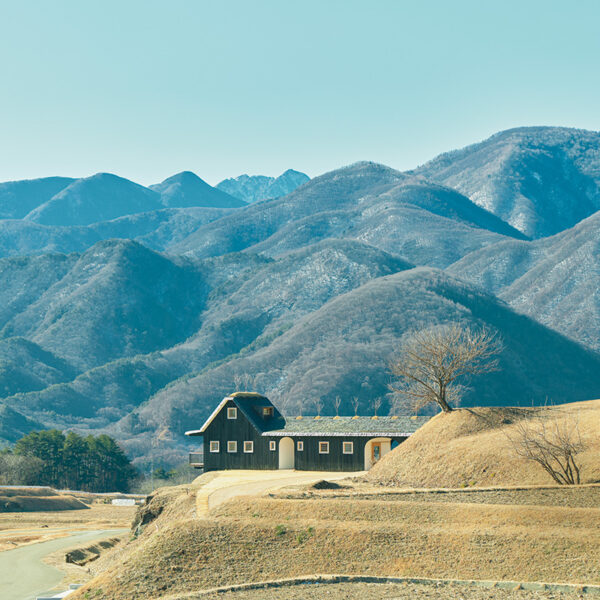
column 246, row 431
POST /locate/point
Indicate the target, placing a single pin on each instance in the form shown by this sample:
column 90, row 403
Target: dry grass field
column 471, row 447
column 18, row 529
column 281, row 535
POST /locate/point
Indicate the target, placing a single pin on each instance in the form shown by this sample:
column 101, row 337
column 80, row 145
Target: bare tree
column 243, row 382
column 319, row 406
column 430, row 363
column 376, row 404
column 336, row 403
column 355, row 405
column 553, row 443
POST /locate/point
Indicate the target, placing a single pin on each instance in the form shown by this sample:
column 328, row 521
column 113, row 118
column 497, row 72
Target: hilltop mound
column 471, row 446
column 36, row 499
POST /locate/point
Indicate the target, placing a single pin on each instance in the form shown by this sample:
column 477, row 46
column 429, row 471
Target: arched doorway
column 286, row 453
column 375, row 449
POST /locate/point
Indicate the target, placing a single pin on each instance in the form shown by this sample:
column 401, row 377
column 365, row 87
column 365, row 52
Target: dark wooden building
column 247, row 432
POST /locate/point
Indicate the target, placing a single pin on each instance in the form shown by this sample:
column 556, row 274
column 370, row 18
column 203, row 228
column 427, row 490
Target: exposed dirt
column 585, row 496
column 377, row 591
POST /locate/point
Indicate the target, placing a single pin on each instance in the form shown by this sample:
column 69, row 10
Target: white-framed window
column 231, row 412
column 299, row 446
column 323, row 447
column 249, row 447
column 348, row 447
column 215, row 446
column 232, row 447
column 267, row 411
column 272, row 445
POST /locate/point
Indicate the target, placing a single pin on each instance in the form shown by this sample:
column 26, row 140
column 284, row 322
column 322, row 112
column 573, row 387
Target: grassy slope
column 257, row 539
column 471, row 447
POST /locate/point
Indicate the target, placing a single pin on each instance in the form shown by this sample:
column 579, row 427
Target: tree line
column 90, row 463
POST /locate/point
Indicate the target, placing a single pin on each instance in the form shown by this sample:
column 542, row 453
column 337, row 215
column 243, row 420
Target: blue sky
column 145, row 89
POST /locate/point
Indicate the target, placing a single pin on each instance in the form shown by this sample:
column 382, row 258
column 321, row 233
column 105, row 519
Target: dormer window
column 232, row 412
column 267, row 412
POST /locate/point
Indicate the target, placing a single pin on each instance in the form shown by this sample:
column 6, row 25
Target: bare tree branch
column 431, row 362
column 552, row 443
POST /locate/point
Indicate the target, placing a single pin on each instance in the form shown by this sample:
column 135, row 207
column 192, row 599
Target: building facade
column 246, row 431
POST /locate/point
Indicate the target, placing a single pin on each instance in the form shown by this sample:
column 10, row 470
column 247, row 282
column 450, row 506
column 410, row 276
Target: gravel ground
column 377, row 591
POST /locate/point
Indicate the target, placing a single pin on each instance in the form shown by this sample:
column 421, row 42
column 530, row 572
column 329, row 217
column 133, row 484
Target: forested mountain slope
column 541, row 180
column 555, row 280
column 422, row 222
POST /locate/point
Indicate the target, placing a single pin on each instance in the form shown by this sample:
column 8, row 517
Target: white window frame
column 232, row 447
column 272, row 445
column 248, row 449
column 345, row 444
column 267, row 411
column 300, row 445
column 231, row 412
column 323, row 447
column 214, row 446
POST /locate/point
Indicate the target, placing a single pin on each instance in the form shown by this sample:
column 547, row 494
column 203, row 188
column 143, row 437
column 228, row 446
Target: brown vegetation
column 37, row 499
column 472, row 447
column 256, row 539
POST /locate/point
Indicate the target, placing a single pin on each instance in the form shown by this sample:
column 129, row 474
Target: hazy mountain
column 555, row 280
column 101, row 197
column 18, row 198
column 157, row 229
column 541, row 180
column 14, row 425
column 404, row 215
column 117, row 299
column 252, row 188
column 344, row 347
column 186, row 189
column 25, row 367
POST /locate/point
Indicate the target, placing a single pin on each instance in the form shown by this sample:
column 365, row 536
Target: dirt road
column 23, row 575
column 229, row 484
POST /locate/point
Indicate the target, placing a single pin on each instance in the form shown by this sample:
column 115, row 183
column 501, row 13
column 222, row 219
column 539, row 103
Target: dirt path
column 23, row 575
column 230, row 484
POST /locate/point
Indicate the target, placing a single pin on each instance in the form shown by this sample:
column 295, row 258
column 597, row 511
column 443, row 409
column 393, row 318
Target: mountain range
column 133, row 310
column 252, row 188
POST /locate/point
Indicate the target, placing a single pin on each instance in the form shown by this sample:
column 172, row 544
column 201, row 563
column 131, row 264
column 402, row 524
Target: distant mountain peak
column 252, row 188
column 186, row 189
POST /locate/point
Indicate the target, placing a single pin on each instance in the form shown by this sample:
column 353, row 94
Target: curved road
column 23, row 575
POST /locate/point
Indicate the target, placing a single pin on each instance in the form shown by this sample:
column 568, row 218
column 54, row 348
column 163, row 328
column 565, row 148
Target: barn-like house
column 246, row 431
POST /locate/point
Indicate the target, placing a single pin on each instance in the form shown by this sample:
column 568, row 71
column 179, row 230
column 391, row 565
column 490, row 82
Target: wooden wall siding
column 239, row 430
column 309, row 459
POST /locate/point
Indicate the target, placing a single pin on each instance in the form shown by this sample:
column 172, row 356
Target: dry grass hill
column 472, row 447
column 527, row 533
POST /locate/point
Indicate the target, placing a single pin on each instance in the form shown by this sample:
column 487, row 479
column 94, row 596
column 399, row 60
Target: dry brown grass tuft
column 471, row 447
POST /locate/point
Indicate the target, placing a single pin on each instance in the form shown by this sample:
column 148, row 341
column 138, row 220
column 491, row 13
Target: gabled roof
column 246, row 403
column 279, row 426
column 396, row 426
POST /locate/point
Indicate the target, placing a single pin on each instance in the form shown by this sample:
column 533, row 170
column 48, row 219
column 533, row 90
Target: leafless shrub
column 553, row 443
column 355, row 405
column 430, row 362
column 376, row 405
column 337, row 403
